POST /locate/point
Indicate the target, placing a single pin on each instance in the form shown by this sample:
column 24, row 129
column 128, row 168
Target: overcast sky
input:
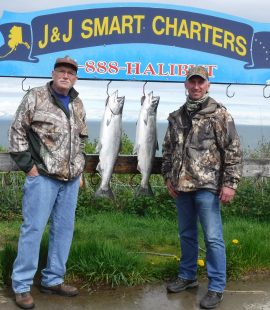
column 248, row 106
column 254, row 10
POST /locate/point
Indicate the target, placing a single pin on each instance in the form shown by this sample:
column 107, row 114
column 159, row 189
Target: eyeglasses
column 64, row 72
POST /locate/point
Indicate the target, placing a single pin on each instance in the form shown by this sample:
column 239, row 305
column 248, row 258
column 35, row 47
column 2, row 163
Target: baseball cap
column 198, row 70
column 67, row 62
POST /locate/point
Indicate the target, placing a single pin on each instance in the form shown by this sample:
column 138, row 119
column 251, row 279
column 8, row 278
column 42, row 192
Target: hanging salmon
column 109, row 142
column 146, row 142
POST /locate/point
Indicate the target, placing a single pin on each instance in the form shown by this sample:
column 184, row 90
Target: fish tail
column 104, row 193
column 144, row 191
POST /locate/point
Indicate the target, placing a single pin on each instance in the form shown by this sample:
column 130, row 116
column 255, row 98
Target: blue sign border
column 136, row 41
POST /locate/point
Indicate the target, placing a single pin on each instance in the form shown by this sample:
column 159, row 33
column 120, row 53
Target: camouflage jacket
column 202, row 152
column 44, row 133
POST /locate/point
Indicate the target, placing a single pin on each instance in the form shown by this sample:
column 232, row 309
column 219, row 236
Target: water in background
column 251, row 135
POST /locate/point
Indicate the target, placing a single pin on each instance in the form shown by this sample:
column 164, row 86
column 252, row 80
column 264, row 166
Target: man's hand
column 173, row 193
column 33, row 172
column 226, row 194
column 81, row 181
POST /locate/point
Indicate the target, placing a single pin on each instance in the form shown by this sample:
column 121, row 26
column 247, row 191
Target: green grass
column 122, row 249
column 252, row 252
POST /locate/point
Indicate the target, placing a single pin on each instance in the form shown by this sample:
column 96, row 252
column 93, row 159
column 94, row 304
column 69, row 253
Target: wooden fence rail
column 128, row 164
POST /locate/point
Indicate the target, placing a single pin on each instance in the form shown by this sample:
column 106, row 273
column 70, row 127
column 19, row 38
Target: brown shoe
column 60, row 289
column 24, row 300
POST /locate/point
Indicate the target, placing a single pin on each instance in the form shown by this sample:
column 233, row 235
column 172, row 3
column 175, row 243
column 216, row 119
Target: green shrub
column 3, row 149
column 262, row 151
column 251, row 201
column 7, row 258
column 11, row 194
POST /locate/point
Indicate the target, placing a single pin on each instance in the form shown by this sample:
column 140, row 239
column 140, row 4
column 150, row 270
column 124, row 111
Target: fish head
column 115, row 103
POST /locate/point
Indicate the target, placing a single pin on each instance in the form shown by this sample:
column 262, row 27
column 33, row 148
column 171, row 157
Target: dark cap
column 67, row 62
column 199, row 71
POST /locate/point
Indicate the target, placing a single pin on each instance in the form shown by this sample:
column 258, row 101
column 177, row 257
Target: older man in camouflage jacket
column 202, row 164
column 46, row 141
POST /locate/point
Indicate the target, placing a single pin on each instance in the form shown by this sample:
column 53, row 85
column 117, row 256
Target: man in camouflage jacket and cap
column 202, row 164
column 46, row 141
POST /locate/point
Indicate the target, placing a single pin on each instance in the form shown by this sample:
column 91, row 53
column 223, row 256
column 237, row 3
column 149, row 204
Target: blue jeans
column 205, row 206
column 45, row 198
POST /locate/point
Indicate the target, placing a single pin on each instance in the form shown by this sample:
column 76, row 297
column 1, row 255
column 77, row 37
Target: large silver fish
column 109, row 142
column 146, row 142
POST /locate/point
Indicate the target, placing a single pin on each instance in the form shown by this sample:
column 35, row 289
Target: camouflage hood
column 44, row 133
column 202, row 152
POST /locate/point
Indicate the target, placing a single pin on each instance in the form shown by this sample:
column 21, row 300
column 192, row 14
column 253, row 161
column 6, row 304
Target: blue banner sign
column 132, row 41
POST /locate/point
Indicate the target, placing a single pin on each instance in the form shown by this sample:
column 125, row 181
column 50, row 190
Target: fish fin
column 122, row 99
column 98, row 168
column 142, row 99
column 120, row 146
column 107, row 100
column 136, row 149
column 109, row 120
column 144, row 191
column 139, row 168
column 156, row 99
column 102, row 193
column 145, row 119
column 98, row 147
column 115, row 95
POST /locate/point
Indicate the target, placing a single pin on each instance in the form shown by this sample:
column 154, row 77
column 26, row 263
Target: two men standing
column 202, row 164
